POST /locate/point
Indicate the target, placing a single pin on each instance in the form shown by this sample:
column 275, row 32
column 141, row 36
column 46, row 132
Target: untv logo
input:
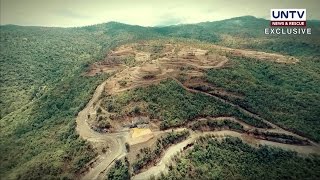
column 288, row 17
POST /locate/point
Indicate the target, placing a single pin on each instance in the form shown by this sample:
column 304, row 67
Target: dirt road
column 275, row 128
column 135, row 77
column 162, row 166
column 115, row 141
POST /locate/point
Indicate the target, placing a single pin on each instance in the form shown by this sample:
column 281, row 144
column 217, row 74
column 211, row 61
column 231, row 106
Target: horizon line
column 128, row 23
column 179, row 24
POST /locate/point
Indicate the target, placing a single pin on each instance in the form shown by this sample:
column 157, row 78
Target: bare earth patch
column 140, row 135
column 147, row 63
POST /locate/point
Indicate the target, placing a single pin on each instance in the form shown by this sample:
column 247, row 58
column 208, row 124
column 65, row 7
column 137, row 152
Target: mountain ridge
column 247, row 17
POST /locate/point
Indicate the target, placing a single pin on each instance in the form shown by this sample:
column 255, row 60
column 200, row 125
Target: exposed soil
column 140, row 65
column 140, row 135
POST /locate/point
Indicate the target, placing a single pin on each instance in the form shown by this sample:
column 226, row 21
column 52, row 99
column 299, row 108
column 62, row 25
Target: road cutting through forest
column 166, row 159
column 114, row 143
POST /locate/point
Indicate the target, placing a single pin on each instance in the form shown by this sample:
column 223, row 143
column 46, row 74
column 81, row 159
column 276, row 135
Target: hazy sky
column 68, row 13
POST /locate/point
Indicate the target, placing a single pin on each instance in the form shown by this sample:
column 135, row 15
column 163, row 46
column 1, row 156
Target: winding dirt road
column 115, row 142
column 274, row 127
column 162, row 166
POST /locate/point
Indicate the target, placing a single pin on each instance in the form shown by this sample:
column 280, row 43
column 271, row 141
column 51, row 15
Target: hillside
column 45, row 84
column 233, row 159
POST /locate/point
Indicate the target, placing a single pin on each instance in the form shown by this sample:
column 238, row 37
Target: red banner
column 288, row 23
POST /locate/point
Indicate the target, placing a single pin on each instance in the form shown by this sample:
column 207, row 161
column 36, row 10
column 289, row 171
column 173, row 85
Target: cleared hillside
column 44, row 84
column 158, row 87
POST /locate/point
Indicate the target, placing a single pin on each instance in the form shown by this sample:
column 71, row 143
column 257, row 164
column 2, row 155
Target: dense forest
column 43, row 88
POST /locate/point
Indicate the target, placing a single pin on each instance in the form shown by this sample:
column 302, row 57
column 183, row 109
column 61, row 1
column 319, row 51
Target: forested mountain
column 43, row 88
